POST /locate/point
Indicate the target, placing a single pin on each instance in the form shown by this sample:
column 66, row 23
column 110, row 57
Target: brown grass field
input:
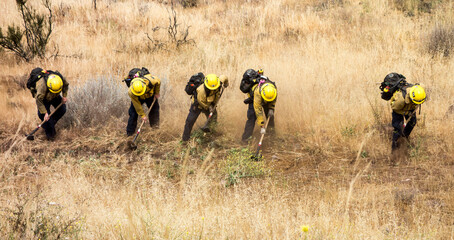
column 328, row 168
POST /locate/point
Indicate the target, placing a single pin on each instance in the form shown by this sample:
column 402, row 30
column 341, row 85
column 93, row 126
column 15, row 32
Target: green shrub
column 37, row 31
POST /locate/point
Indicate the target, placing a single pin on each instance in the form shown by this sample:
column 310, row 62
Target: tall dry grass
column 326, row 58
column 104, row 197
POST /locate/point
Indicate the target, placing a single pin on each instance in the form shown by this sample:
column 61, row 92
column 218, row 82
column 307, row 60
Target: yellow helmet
column 54, row 83
column 268, row 92
column 212, row 81
column 417, row 94
column 138, row 87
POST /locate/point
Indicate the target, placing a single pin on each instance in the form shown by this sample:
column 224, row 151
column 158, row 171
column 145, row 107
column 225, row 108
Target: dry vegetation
column 327, row 168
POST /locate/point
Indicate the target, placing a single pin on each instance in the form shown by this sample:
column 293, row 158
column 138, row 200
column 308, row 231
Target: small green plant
column 417, row 150
column 199, row 136
column 37, row 31
column 349, row 131
column 239, row 164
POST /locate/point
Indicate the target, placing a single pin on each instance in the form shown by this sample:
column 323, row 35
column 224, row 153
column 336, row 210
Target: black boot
column 394, row 146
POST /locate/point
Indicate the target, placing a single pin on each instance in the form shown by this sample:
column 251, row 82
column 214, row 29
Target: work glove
column 144, row 118
column 248, row 100
column 262, row 130
column 270, row 113
column 224, row 80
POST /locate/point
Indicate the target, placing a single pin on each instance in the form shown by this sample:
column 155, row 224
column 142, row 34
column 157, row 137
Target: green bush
column 37, row 31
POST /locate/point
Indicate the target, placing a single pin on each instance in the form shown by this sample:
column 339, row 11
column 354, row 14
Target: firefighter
column 143, row 89
column 205, row 99
column 46, row 86
column 261, row 104
column 404, row 104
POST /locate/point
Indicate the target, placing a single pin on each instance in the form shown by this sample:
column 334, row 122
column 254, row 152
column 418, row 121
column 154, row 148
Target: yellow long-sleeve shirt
column 402, row 105
column 149, row 92
column 43, row 93
column 259, row 104
column 204, row 100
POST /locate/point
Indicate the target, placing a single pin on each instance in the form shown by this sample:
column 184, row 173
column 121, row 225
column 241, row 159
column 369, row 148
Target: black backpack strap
column 404, row 88
column 150, row 85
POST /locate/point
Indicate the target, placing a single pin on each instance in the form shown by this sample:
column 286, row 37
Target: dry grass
column 440, row 41
column 326, row 57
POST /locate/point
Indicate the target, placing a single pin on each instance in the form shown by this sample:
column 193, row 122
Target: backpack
column 264, row 80
column 249, row 79
column 404, row 89
column 35, row 75
column 133, row 73
column 194, row 82
column 38, row 74
column 392, row 83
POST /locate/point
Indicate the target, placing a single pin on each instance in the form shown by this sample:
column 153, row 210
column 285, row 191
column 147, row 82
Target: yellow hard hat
column 212, row 81
column 54, row 83
column 417, row 94
column 138, row 87
column 268, row 92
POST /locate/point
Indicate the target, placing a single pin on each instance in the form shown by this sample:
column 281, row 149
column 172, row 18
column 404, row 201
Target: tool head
column 256, row 157
column 206, row 129
column 132, row 145
column 30, row 137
